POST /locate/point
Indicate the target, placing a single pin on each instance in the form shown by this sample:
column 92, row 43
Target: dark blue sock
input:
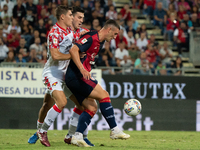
column 83, row 122
column 108, row 113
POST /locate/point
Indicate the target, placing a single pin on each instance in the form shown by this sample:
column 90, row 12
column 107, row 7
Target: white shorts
column 52, row 84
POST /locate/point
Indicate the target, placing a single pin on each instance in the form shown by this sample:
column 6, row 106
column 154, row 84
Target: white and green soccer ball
column 132, row 107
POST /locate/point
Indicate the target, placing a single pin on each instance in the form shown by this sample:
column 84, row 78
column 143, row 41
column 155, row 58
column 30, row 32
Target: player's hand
column 82, row 54
column 85, row 73
column 83, row 32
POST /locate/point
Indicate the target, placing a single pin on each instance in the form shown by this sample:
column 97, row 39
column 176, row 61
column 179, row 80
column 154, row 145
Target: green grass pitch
column 139, row 140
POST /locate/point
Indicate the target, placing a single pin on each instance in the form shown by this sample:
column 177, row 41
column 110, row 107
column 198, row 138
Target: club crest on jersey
column 84, row 41
column 55, row 41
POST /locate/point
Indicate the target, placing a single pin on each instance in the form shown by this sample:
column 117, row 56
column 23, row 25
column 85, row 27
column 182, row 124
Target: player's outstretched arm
column 56, row 55
column 74, row 51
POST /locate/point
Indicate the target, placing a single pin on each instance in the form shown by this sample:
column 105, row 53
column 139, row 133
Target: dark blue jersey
column 90, row 44
column 80, row 87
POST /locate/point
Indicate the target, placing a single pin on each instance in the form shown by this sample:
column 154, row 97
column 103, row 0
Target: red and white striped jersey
column 62, row 40
column 77, row 34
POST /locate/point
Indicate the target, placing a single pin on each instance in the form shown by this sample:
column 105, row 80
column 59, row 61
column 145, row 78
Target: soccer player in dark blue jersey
column 79, row 81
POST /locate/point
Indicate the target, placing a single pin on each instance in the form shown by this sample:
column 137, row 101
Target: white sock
column 50, row 118
column 75, row 116
column 39, row 124
column 74, row 122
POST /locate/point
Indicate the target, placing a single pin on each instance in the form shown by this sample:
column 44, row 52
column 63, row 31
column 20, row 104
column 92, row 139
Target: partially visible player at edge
column 79, row 81
column 61, row 67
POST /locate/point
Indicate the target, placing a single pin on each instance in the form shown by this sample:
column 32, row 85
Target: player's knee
column 106, row 93
column 94, row 107
column 62, row 104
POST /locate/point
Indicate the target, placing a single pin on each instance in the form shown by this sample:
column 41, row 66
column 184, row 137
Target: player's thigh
column 98, row 93
column 59, row 98
column 90, row 104
column 55, row 89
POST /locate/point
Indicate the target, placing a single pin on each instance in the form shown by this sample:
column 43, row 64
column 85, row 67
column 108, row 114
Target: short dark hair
column 62, row 9
column 111, row 22
column 77, row 9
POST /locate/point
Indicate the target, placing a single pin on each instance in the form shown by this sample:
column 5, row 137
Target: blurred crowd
column 25, row 24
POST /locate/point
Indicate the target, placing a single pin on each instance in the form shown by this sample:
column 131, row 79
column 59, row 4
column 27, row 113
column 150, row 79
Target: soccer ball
column 132, row 107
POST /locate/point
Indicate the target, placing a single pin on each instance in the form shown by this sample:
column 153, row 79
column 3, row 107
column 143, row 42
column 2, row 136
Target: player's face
column 68, row 18
column 112, row 33
column 78, row 20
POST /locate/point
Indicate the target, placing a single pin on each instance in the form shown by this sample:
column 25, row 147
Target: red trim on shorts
column 46, row 81
column 48, row 85
column 105, row 100
column 39, row 121
column 91, row 113
column 89, row 82
column 56, row 108
column 77, row 111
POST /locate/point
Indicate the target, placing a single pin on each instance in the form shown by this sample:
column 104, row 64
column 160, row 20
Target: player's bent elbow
column 73, row 49
column 54, row 55
column 54, row 58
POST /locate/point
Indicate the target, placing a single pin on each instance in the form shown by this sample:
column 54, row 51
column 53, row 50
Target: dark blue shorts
column 81, row 88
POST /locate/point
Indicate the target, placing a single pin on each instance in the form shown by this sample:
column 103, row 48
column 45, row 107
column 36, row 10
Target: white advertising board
column 27, row 82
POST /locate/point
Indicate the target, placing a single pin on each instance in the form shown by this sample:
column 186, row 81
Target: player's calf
column 108, row 113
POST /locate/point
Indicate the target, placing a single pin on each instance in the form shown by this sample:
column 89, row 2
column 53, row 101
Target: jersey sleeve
column 53, row 40
column 84, row 43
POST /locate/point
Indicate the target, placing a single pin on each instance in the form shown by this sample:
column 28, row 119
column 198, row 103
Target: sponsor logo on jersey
column 84, row 41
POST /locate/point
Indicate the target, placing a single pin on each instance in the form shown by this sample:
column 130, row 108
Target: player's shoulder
column 58, row 31
column 54, row 32
column 91, row 34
